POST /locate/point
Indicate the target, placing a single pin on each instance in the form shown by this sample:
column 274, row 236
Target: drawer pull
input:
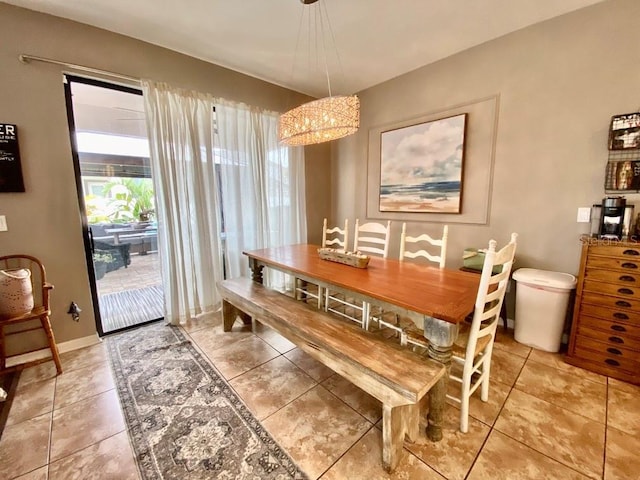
column 612, row 362
column 625, row 291
column 630, row 265
column 618, row 328
column 631, row 252
column 621, row 316
column 615, row 351
column 616, row 340
column 622, row 303
column 627, row 278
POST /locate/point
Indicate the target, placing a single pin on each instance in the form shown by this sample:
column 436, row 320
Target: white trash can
column 542, row 298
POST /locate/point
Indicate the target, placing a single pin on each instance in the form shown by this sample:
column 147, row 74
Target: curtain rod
column 29, row 58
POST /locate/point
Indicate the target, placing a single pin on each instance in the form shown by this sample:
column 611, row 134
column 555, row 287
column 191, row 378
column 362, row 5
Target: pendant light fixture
column 321, row 120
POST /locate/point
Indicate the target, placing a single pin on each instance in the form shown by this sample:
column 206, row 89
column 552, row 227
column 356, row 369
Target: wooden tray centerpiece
column 353, row 259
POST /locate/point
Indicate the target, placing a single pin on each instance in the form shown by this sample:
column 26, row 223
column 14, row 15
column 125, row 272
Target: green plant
column 102, row 257
column 129, row 199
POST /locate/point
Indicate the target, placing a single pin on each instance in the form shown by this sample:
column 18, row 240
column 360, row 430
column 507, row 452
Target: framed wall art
column 421, row 167
column 624, row 132
column 466, row 131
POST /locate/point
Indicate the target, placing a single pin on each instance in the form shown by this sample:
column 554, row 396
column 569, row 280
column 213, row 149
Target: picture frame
column 422, row 166
column 624, row 131
column 10, row 169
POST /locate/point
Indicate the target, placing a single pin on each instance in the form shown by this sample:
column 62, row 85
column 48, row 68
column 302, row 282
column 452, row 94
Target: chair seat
column 34, row 314
column 460, row 345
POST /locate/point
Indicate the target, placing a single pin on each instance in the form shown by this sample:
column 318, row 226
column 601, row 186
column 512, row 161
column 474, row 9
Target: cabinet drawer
column 612, row 263
column 597, row 329
column 620, row 278
column 624, row 317
column 611, row 351
column 606, row 360
column 611, row 302
column 625, row 291
column 615, row 251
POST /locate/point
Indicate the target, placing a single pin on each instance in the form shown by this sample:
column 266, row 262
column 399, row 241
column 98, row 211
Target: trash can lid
column 545, row 278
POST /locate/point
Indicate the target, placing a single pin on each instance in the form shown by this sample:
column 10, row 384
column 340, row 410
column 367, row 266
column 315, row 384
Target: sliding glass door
column 115, row 188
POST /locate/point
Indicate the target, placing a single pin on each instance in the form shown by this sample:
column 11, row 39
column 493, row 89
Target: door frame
column 86, row 234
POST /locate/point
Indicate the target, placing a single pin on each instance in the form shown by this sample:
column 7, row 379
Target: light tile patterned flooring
column 545, row 419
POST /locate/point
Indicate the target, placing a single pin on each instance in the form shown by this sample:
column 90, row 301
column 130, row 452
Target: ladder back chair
column 473, row 348
column 37, row 317
column 335, row 237
column 423, row 246
column 370, row 238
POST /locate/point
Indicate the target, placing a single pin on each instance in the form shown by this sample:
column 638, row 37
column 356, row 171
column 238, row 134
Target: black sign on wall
column 10, row 169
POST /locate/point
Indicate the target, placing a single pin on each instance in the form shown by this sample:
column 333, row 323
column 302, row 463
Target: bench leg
column 229, row 315
column 396, row 423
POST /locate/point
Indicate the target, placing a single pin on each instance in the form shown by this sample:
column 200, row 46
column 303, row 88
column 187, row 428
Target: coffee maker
column 612, row 218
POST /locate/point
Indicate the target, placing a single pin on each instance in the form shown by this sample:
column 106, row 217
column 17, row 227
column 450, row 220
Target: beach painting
column 421, row 167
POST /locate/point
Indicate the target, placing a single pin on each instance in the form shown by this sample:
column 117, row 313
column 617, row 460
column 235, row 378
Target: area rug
column 183, row 418
column 131, row 307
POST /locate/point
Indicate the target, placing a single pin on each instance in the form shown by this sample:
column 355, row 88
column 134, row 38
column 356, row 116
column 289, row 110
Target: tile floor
column 545, row 419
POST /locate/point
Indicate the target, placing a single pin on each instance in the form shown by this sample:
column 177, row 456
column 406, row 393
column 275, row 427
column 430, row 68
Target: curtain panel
column 223, row 185
column 180, row 134
column 262, row 186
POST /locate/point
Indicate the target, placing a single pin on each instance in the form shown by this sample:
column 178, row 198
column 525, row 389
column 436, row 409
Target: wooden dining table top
column 445, row 294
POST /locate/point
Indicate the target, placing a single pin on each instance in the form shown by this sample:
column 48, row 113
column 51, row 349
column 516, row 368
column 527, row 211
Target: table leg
column 256, row 270
column 441, row 336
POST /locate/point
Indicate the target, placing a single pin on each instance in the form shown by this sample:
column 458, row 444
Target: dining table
column 436, row 299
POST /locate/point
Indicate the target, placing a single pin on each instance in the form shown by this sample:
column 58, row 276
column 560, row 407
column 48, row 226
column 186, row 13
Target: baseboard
column 63, row 347
column 78, row 343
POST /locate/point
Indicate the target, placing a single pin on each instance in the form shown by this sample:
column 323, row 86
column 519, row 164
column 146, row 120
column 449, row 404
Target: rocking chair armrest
column 46, row 287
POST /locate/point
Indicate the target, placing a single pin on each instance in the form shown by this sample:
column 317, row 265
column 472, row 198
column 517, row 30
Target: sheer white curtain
column 180, row 127
column 262, row 186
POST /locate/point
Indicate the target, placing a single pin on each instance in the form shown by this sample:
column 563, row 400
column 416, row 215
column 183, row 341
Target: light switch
column 3, row 223
column 584, row 215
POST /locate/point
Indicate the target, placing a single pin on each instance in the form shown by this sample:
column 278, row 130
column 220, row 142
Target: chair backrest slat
column 422, row 240
column 375, row 234
column 491, row 291
column 339, row 236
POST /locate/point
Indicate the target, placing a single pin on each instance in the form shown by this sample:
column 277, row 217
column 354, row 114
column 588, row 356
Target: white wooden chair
column 370, row 238
column 335, row 237
column 473, row 348
column 423, row 246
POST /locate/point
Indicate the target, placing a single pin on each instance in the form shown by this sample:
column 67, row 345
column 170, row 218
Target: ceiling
column 375, row 40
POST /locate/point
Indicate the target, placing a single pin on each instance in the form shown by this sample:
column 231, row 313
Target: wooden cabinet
column 605, row 334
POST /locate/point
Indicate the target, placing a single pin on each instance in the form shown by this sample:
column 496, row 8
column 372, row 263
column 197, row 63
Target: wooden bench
column 397, row 377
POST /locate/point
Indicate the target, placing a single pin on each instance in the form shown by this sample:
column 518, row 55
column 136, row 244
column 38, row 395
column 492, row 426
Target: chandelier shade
column 320, row 121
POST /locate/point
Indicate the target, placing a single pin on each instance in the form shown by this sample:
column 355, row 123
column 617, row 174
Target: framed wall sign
column 10, row 168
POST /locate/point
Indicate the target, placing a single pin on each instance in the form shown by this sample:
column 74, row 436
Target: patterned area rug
column 184, row 420
column 131, row 307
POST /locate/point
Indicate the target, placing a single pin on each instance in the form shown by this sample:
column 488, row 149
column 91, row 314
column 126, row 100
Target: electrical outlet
column 3, row 223
column 584, row 215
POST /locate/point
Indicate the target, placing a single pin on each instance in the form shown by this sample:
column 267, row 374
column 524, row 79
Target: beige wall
column 558, row 84
column 45, row 221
